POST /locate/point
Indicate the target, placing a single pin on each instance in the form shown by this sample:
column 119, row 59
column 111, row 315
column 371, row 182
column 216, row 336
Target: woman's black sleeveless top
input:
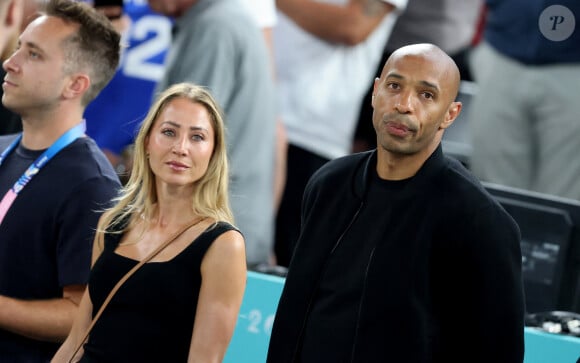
column 151, row 317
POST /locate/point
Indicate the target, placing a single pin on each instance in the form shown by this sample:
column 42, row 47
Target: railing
column 250, row 341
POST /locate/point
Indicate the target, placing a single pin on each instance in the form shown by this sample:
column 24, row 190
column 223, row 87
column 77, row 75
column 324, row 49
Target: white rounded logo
column 557, row 23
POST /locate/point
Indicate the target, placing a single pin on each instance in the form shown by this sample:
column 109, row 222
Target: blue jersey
column 114, row 116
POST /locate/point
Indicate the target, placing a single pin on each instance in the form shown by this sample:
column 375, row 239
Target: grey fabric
column 450, row 24
column 525, row 123
column 218, row 45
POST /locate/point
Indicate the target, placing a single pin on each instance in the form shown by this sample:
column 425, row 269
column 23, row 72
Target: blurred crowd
column 294, row 80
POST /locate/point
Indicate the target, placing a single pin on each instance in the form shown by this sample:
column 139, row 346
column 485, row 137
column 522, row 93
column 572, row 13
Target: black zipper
column 294, row 356
column 360, row 304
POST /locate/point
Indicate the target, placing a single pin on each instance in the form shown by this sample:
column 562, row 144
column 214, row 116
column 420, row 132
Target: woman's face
column 180, row 143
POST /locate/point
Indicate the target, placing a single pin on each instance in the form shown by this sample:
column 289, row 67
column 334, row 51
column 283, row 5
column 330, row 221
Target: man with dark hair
column 54, row 181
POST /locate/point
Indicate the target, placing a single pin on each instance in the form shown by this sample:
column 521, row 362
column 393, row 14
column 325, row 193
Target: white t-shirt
column 321, row 85
column 263, row 11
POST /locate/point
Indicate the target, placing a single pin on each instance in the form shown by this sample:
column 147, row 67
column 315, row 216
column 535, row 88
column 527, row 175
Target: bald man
column 403, row 256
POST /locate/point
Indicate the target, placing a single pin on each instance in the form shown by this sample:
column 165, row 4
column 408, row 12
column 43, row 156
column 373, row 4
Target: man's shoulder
column 82, row 148
column 460, row 187
column 342, row 166
column 84, row 160
column 6, row 140
column 342, row 176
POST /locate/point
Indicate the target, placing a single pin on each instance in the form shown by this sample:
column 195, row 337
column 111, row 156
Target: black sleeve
column 485, row 311
column 78, row 217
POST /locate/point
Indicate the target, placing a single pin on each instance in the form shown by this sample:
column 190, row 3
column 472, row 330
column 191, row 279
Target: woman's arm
column 223, row 272
column 84, row 313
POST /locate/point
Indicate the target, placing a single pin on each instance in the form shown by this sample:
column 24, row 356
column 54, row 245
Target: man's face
column 35, row 75
column 180, row 144
column 411, row 104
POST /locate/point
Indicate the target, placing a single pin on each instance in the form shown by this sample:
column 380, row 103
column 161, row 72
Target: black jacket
column 443, row 284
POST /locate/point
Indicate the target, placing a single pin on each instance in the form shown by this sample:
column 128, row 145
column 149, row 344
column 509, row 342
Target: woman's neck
column 171, row 212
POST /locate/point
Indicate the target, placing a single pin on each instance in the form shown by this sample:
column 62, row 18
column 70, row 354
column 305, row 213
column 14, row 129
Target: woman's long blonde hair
column 137, row 197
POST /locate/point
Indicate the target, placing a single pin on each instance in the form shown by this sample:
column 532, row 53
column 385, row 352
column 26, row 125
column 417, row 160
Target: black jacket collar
column 432, row 166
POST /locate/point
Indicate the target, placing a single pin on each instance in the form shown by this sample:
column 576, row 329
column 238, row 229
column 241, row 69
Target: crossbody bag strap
column 124, row 278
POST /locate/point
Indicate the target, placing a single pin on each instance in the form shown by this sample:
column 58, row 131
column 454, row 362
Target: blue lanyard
column 62, row 142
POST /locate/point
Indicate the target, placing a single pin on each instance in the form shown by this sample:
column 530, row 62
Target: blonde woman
column 182, row 305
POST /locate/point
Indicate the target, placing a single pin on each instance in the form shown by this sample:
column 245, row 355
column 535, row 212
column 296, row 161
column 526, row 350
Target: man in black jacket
column 403, row 256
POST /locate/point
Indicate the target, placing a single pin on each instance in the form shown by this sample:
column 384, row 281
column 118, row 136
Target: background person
column 525, row 116
column 264, row 13
column 217, row 44
column 113, row 118
column 326, row 54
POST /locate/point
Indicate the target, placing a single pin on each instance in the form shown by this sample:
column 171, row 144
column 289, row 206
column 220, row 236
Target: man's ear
column 79, row 83
column 452, row 112
column 374, row 91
